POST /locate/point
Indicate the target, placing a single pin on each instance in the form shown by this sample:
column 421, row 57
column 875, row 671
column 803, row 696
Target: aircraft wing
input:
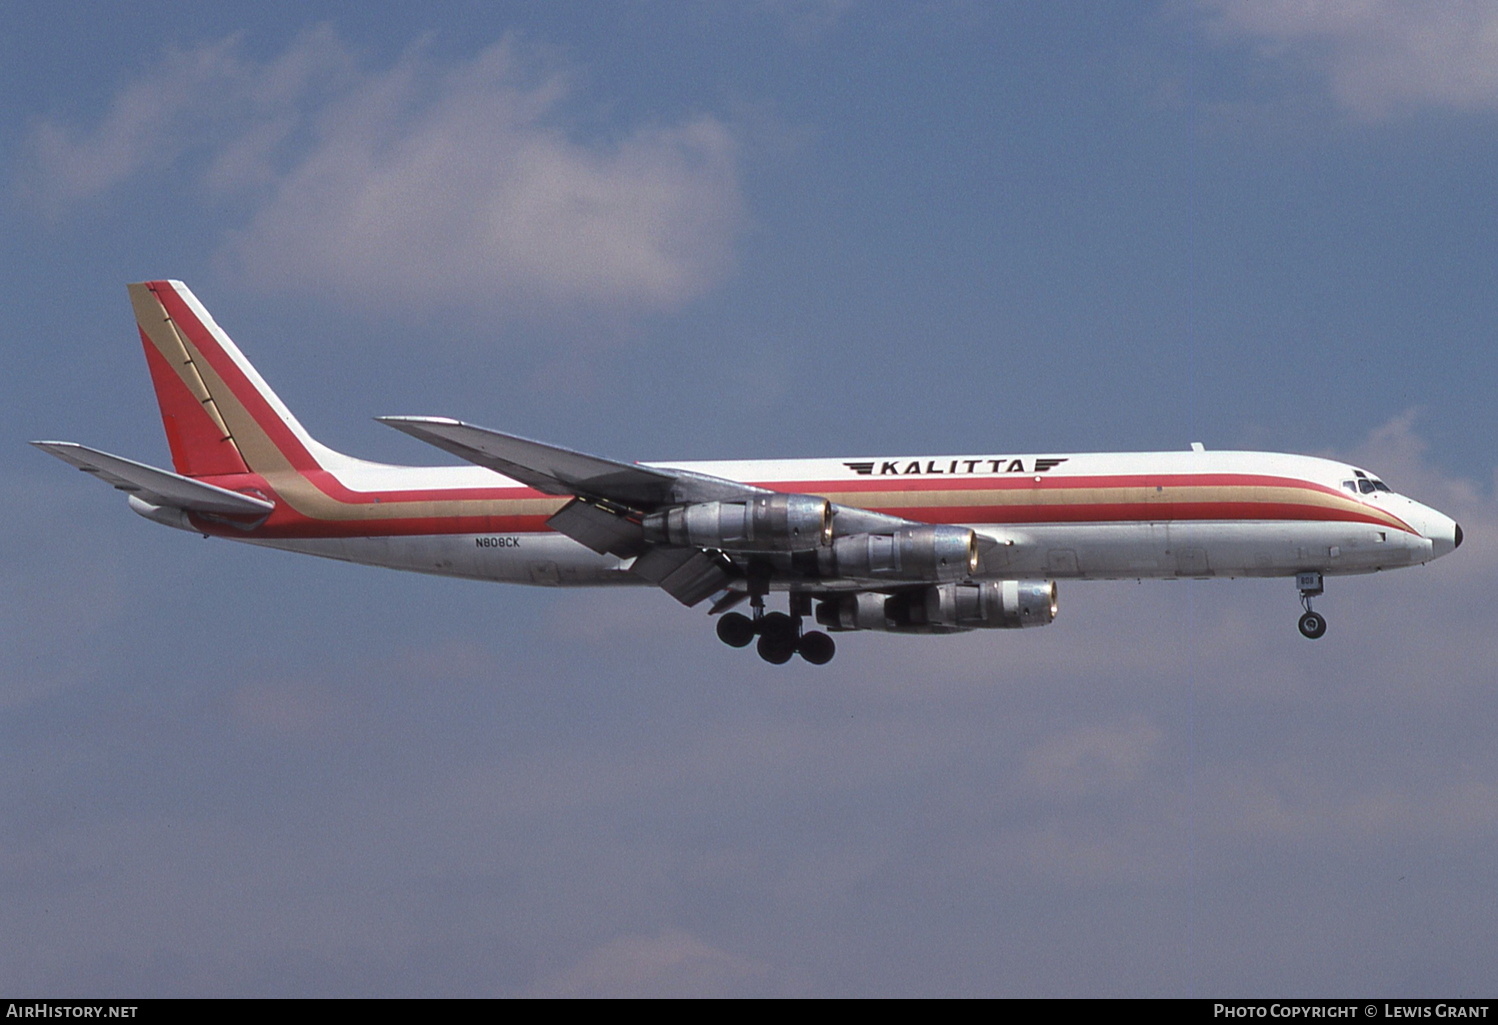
column 554, row 470
column 159, row 487
column 611, row 498
column 608, row 499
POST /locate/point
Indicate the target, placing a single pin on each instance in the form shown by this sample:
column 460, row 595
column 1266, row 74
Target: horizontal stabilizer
column 549, row 469
column 159, row 487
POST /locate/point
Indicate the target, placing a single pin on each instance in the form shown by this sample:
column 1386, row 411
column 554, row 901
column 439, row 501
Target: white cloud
column 206, row 101
column 1379, row 56
column 1094, row 759
column 425, row 181
column 806, row 21
column 672, row 964
column 1300, row 806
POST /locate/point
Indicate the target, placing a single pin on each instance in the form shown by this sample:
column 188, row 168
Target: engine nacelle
column 945, row 608
column 911, row 553
column 764, row 523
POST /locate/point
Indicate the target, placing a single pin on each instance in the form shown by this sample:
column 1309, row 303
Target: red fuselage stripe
column 288, row 523
column 1051, row 492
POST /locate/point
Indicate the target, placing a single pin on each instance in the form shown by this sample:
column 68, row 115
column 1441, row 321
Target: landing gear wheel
column 775, row 649
column 777, row 638
column 1313, row 625
column 735, row 630
column 817, row 648
column 776, row 624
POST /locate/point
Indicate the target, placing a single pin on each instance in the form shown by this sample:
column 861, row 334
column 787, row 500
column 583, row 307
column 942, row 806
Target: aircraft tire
column 735, row 630
column 817, row 648
column 777, row 624
column 777, row 638
column 1312, row 625
column 776, row 649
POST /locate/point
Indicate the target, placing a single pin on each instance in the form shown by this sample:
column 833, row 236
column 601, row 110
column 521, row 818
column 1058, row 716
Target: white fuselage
column 1096, row 515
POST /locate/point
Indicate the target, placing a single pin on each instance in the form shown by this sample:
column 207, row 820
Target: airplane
column 919, row 545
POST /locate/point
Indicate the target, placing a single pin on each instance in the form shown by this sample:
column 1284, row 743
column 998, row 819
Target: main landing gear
column 1312, row 624
column 779, row 634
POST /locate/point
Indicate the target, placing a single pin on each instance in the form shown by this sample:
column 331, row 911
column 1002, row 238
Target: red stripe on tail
column 199, row 448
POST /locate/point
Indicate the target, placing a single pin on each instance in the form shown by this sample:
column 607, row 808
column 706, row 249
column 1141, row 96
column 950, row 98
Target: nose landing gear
column 1312, row 624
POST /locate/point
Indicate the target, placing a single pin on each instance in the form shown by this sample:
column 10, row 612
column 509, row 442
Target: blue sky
column 671, row 231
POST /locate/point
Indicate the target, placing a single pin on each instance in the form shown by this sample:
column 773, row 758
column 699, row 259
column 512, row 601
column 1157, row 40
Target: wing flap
column 159, row 487
column 599, row 529
column 686, row 574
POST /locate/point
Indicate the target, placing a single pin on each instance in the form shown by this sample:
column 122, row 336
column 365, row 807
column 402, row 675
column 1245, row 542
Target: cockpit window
column 1381, row 486
column 1351, row 485
column 1365, row 486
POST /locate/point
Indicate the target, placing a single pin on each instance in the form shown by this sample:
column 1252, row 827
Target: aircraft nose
column 1445, row 534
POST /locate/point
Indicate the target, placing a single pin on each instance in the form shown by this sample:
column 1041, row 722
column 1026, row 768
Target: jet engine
column 764, row 523
column 945, row 608
column 909, row 553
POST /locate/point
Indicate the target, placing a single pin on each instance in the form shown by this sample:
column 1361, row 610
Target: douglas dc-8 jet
column 928, row 545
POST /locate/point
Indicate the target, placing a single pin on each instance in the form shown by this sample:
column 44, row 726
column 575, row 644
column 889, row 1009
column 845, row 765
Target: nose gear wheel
column 1312, row 624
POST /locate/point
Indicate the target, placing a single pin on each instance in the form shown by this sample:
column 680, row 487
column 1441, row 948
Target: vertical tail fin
column 219, row 414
